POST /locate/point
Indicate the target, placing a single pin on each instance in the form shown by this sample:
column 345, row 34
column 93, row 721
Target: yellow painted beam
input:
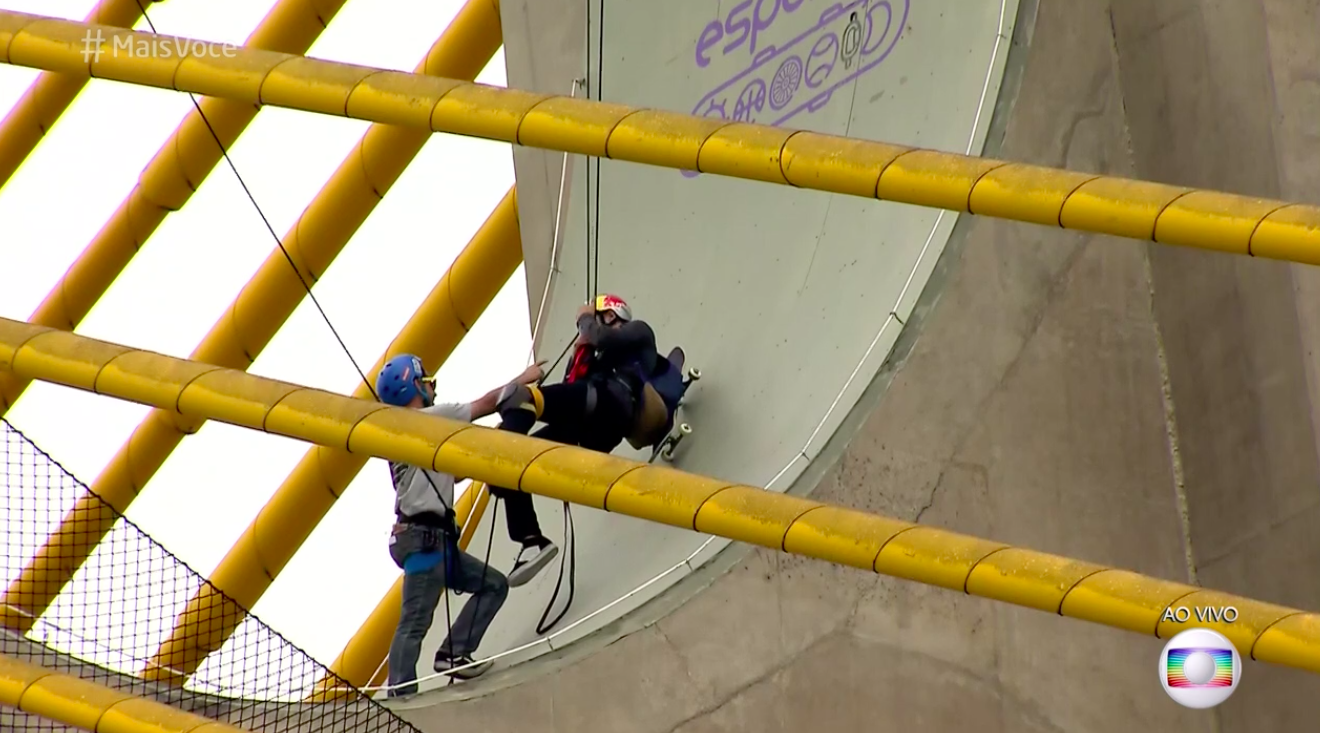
column 323, row 474
column 260, row 309
column 979, row 567
column 50, row 95
column 169, row 180
column 1122, row 207
column 363, row 656
column 85, row 705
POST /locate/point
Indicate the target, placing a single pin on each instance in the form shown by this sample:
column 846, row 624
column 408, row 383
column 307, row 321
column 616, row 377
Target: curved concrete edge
column 823, row 278
column 711, row 570
column 1036, row 407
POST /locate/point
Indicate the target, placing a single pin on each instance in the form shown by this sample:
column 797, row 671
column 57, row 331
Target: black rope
column 490, row 541
column 570, row 560
column 306, row 286
column 266, row 221
column 592, row 276
column 562, row 354
column 600, row 97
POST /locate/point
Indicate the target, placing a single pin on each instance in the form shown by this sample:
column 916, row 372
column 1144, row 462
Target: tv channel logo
column 1200, row 668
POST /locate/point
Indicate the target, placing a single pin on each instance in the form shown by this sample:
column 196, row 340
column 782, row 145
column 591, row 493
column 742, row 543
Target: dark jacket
column 628, row 350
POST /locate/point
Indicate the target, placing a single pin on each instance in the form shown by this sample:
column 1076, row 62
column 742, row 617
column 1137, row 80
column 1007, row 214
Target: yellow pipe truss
column 85, row 705
column 1073, row 588
column 50, row 95
column 324, row 473
column 168, row 181
column 362, row 660
column 1122, row 207
column 254, row 317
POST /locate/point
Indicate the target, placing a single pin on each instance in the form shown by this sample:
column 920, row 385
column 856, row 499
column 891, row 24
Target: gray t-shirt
column 416, row 494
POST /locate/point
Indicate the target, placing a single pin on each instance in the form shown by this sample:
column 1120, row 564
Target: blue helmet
column 397, row 383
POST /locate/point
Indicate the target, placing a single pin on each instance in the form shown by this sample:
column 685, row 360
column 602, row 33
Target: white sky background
column 197, row 261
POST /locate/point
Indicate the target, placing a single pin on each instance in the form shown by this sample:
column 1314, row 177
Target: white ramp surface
column 789, row 301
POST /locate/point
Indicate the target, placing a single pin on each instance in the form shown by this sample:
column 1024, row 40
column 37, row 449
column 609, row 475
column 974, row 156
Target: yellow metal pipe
column 264, row 304
column 360, row 663
column 85, row 705
column 288, row 518
column 796, row 525
column 1053, row 197
column 168, row 181
column 473, row 515
column 51, row 94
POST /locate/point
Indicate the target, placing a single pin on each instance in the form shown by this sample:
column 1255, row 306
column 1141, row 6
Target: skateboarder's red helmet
column 615, row 305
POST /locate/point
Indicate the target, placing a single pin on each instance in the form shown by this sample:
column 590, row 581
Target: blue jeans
column 421, row 596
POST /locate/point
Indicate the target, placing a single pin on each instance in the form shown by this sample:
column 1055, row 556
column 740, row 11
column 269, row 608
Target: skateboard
column 665, row 448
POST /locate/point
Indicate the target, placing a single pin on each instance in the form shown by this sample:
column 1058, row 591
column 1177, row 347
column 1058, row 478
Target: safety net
column 108, row 622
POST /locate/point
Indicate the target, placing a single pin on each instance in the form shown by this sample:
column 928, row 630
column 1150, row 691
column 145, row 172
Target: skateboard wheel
column 685, row 429
column 694, row 374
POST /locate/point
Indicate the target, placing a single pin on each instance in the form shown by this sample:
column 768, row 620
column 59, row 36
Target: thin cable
column 308, row 288
column 494, row 514
column 481, row 585
column 591, row 86
column 600, row 97
column 266, row 221
column 592, row 277
column 555, row 240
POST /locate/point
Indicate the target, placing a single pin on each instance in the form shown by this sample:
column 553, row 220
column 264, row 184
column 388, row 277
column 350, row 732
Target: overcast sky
column 190, row 270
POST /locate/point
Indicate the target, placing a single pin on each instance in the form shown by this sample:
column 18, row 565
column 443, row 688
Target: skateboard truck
column 667, row 446
column 667, row 453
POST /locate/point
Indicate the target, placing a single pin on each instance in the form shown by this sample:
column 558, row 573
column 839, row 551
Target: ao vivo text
column 1202, row 614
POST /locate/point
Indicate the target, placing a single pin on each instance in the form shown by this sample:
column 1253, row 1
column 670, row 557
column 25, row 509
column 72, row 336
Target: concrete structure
column 1128, row 404
column 777, row 294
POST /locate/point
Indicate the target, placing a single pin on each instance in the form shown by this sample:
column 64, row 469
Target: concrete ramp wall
column 788, row 301
column 1128, row 404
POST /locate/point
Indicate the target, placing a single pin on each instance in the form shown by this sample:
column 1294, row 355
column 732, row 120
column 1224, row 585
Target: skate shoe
column 531, row 560
column 445, row 663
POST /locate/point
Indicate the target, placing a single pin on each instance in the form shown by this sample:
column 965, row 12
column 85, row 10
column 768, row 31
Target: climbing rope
column 568, row 562
column 306, row 286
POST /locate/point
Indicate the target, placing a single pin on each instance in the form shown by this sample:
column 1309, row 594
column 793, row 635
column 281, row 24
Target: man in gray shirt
column 424, row 541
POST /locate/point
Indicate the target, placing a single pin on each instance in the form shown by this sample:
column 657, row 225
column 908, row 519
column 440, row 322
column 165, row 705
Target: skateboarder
column 604, row 398
column 424, row 541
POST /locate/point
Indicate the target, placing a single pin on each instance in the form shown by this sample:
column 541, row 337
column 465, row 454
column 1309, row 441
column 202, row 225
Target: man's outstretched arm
column 485, row 404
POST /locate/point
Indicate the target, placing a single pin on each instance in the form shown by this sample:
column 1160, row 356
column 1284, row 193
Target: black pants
column 566, row 421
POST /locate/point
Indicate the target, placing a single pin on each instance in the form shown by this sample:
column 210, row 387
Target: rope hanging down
column 306, row 286
column 592, row 279
column 536, row 328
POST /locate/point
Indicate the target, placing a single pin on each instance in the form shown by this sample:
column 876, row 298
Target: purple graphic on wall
column 799, row 77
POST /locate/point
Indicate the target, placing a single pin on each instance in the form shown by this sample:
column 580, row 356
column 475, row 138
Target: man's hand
column 586, row 309
column 532, row 374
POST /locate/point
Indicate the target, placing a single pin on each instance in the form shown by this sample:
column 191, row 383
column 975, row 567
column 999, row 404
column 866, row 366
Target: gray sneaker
column 531, row 560
column 462, row 667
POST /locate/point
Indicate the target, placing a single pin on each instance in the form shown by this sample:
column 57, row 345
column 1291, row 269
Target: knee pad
column 521, row 397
